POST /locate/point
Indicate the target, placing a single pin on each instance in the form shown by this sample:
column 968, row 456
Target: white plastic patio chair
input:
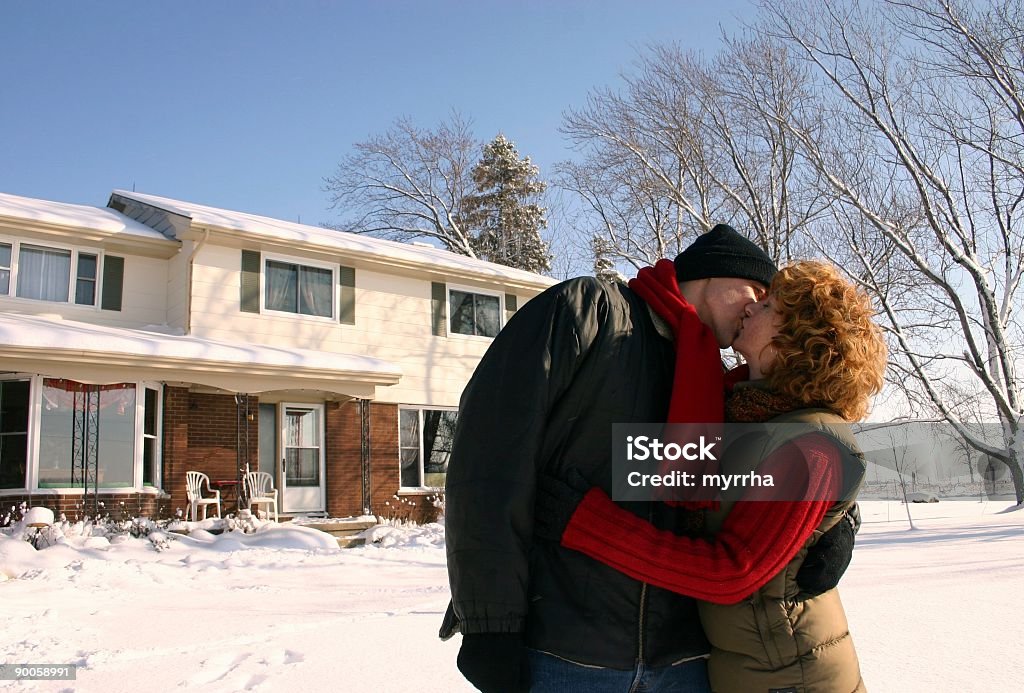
column 260, row 491
column 194, row 482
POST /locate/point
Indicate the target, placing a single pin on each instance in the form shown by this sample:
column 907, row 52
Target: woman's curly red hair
column 830, row 351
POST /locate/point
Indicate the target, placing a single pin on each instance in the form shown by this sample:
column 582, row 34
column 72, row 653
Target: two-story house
column 154, row 337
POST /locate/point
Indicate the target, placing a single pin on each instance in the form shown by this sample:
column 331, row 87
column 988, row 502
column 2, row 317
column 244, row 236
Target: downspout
column 364, row 453
column 188, row 294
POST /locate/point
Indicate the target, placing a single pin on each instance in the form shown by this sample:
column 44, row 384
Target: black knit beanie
column 723, row 252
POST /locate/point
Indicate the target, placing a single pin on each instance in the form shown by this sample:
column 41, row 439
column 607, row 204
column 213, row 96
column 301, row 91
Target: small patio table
column 228, row 488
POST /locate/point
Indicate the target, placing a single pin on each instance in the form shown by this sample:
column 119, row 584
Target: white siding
column 144, row 293
column 144, row 296
column 177, row 290
column 393, row 322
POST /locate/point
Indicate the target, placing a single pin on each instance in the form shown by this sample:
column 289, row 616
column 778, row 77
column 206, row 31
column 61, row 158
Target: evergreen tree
column 604, row 268
column 504, row 212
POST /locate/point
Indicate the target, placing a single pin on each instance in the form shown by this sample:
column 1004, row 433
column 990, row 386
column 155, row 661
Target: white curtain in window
column 315, row 289
column 44, row 273
column 282, row 283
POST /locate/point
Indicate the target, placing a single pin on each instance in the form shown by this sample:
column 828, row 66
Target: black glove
column 556, row 502
column 494, row 662
column 828, row 559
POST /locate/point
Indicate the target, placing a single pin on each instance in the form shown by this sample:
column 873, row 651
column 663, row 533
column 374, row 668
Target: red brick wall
column 384, row 462
column 119, row 506
column 175, row 444
column 344, row 474
column 201, row 433
column 343, row 447
column 342, row 450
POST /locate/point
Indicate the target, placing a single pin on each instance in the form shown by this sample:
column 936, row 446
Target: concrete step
column 343, row 528
column 345, row 532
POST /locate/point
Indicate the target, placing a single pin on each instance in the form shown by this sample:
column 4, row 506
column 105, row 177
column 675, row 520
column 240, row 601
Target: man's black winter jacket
column 574, row 360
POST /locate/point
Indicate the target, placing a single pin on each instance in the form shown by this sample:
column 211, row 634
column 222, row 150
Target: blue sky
column 248, row 105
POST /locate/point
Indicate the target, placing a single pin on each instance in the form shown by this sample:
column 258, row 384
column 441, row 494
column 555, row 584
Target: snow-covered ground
column 935, row 609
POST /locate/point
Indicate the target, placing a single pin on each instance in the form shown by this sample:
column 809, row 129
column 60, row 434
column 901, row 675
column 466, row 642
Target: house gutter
column 191, row 262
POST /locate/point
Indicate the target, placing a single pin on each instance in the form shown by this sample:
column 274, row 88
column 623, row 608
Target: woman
column 813, row 357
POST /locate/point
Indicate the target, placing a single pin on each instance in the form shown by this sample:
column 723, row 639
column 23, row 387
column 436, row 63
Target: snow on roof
column 54, row 333
column 277, row 229
column 75, row 216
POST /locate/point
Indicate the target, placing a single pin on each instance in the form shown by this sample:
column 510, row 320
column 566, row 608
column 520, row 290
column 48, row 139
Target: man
column 574, row 360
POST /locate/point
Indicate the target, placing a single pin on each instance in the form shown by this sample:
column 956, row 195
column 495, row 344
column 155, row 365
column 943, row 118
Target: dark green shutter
column 113, row 282
column 250, row 286
column 439, row 301
column 347, row 309
column 511, row 306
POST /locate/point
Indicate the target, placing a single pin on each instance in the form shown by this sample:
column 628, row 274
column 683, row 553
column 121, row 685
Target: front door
column 302, row 461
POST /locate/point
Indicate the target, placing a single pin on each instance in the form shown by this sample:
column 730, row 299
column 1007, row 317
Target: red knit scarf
column 698, row 385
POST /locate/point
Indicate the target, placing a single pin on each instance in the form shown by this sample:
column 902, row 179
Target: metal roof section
column 103, row 219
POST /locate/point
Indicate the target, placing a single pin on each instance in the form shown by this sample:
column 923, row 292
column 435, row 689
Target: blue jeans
column 550, row 674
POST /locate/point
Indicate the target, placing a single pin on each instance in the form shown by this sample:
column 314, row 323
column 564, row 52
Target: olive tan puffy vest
column 774, row 641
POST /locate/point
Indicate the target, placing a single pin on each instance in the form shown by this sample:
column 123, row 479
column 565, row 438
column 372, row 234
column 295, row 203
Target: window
column 5, row 268
column 302, row 446
column 13, row 432
column 49, row 274
column 85, row 284
column 473, row 313
column 117, row 424
column 151, row 438
column 44, row 273
column 299, row 289
column 425, row 443
column 62, row 402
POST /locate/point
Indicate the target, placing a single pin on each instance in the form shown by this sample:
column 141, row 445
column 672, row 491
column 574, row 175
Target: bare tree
column 748, row 92
column 903, row 463
column 409, row 183
column 689, row 143
column 635, row 180
column 637, row 224
column 571, row 250
column 916, row 126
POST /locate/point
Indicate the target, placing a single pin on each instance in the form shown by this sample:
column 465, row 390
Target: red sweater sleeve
column 756, row 541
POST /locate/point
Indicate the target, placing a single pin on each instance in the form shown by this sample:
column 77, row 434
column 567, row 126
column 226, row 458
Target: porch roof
column 53, row 346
